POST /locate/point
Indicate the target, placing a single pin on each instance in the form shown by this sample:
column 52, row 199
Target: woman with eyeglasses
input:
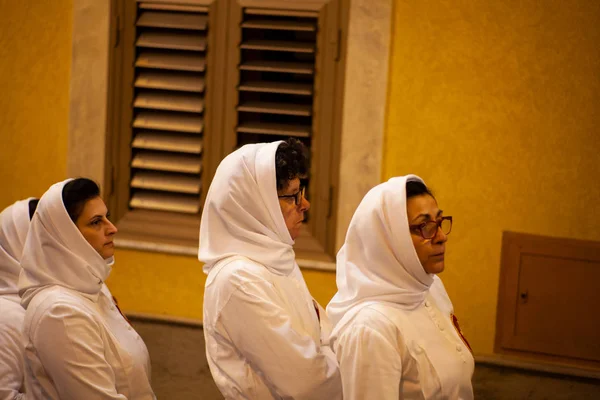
column 395, row 334
column 265, row 334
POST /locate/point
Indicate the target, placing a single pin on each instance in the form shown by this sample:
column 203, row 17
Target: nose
column 304, row 205
column 111, row 229
column 440, row 237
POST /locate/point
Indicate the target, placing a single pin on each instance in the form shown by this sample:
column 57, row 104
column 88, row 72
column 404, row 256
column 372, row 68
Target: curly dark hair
column 291, row 162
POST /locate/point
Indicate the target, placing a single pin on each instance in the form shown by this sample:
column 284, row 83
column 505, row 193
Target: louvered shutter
column 276, row 75
column 168, row 120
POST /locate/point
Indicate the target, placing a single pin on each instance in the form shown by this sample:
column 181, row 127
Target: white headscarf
column 242, row 215
column 14, row 224
column 378, row 261
column 56, row 253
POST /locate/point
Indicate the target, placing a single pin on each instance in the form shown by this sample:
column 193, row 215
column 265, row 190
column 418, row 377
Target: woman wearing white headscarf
column 77, row 343
column 395, row 333
column 262, row 327
column 14, row 224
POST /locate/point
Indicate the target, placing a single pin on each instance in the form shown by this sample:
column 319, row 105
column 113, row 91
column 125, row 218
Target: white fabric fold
column 254, row 229
column 14, row 224
column 56, row 253
column 378, row 261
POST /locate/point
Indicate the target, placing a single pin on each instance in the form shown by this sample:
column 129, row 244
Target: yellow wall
column 35, row 58
column 496, row 104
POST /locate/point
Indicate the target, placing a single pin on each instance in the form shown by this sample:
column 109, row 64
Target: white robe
column 393, row 334
column 80, row 347
column 11, row 348
column 263, row 337
column 14, row 224
column 388, row 353
column 77, row 344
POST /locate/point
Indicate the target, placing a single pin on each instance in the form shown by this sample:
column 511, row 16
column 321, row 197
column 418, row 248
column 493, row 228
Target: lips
column 109, row 244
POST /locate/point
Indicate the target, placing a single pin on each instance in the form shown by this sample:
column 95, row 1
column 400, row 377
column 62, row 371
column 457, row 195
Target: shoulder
column 372, row 323
column 241, row 272
column 57, row 307
column 56, row 297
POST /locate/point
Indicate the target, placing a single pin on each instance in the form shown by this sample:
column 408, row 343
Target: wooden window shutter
column 281, row 84
column 168, row 104
column 193, row 80
column 165, row 80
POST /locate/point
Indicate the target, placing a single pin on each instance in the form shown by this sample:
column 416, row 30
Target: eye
column 96, row 222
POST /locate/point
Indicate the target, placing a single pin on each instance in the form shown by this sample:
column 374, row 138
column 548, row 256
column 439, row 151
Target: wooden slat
column 180, row 62
column 263, row 128
column 157, row 19
column 170, row 40
column 168, row 122
column 301, row 110
column 169, row 81
column 173, row 7
column 167, row 162
column 281, row 13
column 169, row 101
column 278, row 66
column 166, row 182
column 303, row 89
column 167, row 141
column 278, row 45
column 282, row 25
column 165, row 202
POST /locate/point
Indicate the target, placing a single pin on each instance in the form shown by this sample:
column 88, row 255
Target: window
column 190, row 81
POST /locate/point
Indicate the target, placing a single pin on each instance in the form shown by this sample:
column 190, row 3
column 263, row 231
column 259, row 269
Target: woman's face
column 95, row 227
column 431, row 252
column 293, row 213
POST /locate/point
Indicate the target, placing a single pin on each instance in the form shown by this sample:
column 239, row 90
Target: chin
column 294, row 233
column 107, row 254
column 436, row 268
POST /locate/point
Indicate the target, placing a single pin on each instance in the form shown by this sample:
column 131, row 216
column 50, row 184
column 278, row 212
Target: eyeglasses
column 298, row 196
column 429, row 229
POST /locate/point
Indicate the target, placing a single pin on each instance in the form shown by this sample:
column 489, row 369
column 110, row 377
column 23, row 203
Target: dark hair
column 32, row 206
column 291, row 162
column 76, row 193
column 416, row 188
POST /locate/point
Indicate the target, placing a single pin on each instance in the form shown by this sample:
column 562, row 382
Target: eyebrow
column 426, row 217
column 98, row 216
column 291, row 190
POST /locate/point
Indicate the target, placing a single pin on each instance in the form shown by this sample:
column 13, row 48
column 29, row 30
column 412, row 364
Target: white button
column 458, row 348
column 441, row 327
column 128, row 327
column 112, row 307
column 427, row 304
